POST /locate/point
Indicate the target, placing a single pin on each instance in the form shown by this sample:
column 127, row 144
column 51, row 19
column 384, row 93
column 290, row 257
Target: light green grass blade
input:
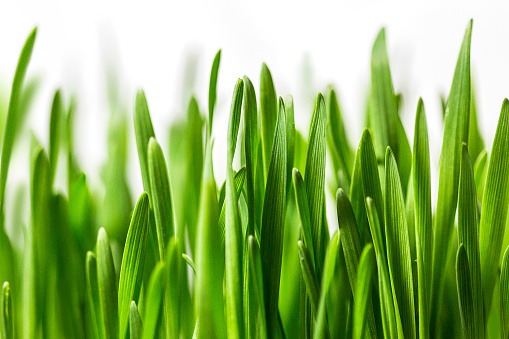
column 161, row 196
column 212, row 88
column 268, row 114
column 12, row 112
column 455, row 133
column 107, row 283
column 154, row 301
column 309, row 276
column 504, row 295
column 351, row 244
column 314, row 181
column 475, row 140
column 7, row 312
column 273, row 223
column 494, row 205
column 390, row 312
column 398, row 246
column 135, row 323
column 358, row 200
column 233, row 228
column 143, row 131
column 468, row 235
column 56, row 118
column 480, row 172
column 301, row 198
column 363, row 290
column 387, row 127
column 423, row 217
column 464, row 285
column 240, row 179
column 133, row 261
column 257, row 319
column 209, row 258
column 172, row 288
column 93, row 297
column 290, row 141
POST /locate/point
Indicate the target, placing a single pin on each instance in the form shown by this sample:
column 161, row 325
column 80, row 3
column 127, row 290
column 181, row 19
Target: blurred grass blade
column 363, row 290
column 212, row 88
column 390, row 312
column 468, row 236
column 464, row 285
column 268, row 114
column 107, row 282
column 455, row 133
column 480, row 172
column 504, row 295
column 209, row 257
column 152, row 315
column 314, row 180
column 161, row 195
column 133, row 260
column 93, row 295
column 189, row 261
column 398, row 246
column 7, row 312
column 143, row 131
column 423, row 217
column 273, row 222
column 233, row 227
column 475, row 140
column 303, row 207
column 494, row 205
column 309, row 275
column 55, row 131
column 12, row 112
column 135, row 323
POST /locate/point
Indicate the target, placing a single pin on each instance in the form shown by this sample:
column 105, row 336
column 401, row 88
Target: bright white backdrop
column 306, row 48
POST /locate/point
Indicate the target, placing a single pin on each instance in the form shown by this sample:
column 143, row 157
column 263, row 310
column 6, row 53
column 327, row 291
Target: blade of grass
column 504, row 295
column 475, row 140
column 480, row 172
column 143, row 131
column 133, row 260
column 54, row 131
column 212, row 88
column 464, row 284
column 358, row 200
column 303, row 208
column 152, row 316
column 7, row 312
column 268, row 114
column 93, row 295
column 363, row 290
column 468, row 236
column 256, row 276
column 171, row 288
column 455, row 133
column 273, row 222
column 135, row 323
column 494, row 206
column 309, row 276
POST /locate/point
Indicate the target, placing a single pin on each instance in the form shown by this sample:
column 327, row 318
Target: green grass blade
column 240, row 179
column 172, row 288
column 257, row 318
column 133, row 260
column 161, row 195
column 309, row 276
column 504, row 295
column 93, row 298
column 268, row 114
column 7, row 312
column 363, row 290
column 358, row 200
column 468, row 235
column 273, row 223
column 314, row 180
column 12, row 112
column 475, row 140
column 455, row 133
column 209, row 257
column 480, row 172
column 143, row 131
column 494, row 205
column 107, row 283
column 233, row 228
column 212, row 88
column 398, row 246
column 54, row 131
column 390, row 312
column 303, row 207
column 154, row 301
column 135, row 323
column 464, row 285
column 423, row 217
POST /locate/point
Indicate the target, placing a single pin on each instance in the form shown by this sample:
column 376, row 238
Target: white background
column 305, row 47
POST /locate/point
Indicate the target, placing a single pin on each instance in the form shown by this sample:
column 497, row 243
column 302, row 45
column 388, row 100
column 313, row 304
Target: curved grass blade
column 273, row 222
column 314, row 181
column 303, row 207
column 161, row 198
column 468, row 236
column 494, row 205
column 455, row 133
column 154, row 301
column 390, row 312
column 363, row 290
column 268, row 114
column 107, row 283
column 212, row 88
column 135, row 323
column 464, row 285
column 54, row 131
column 398, row 246
column 233, row 228
column 189, row 261
column 480, row 172
column 93, row 295
column 13, row 111
column 504, row 295
column 143, row 131
column 423, row 218
column 7, row 312
column 133, row 260
column 209, row 257
column 309, row 276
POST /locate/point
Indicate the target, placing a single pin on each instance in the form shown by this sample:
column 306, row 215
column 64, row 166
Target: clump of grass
column 253, row 257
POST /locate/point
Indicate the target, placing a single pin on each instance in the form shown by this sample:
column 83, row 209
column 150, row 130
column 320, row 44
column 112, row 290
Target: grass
column 253, row 257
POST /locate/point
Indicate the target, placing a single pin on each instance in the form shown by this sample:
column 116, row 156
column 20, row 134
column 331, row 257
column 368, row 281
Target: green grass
column 252, row 257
